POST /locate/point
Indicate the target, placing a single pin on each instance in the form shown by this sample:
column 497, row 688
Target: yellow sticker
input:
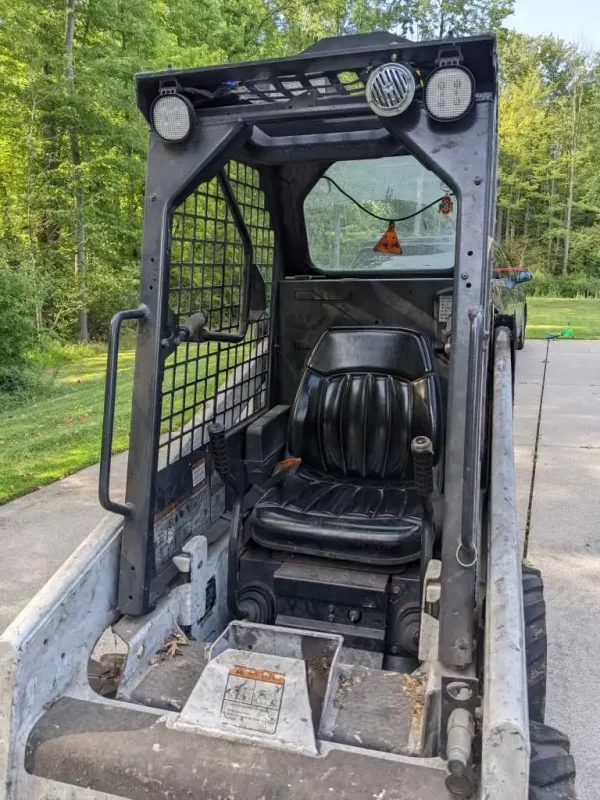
column 258, row 674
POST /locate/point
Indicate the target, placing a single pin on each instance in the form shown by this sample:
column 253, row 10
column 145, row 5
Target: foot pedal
column 265, row 683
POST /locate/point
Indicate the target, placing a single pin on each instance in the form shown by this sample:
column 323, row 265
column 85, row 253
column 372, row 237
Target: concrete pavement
column 39, row 531
column 564, row 532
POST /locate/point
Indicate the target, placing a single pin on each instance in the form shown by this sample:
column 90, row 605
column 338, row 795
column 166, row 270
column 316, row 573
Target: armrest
column 265, row 443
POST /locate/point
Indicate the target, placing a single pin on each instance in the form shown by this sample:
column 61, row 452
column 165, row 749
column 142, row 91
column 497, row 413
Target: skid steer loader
column 314, row 586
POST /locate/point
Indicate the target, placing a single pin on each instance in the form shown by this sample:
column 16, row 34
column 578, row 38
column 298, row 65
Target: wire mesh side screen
column 210, row 381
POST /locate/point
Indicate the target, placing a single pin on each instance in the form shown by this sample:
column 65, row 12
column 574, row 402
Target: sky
column 572, row 20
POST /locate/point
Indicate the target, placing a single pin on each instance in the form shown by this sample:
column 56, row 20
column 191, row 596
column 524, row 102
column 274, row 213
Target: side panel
column 505, row 730
column 48, row 645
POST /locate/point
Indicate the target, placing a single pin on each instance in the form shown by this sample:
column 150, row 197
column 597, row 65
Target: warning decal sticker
column 445, row 307
column 253, row 699
column 198, row 473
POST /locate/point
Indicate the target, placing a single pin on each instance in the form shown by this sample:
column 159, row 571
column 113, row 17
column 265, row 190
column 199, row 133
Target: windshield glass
column 342, row 236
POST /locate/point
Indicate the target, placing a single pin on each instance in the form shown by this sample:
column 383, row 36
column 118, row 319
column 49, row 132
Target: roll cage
column 264, row 133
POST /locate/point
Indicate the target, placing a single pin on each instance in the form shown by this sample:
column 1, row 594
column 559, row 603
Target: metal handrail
column 108, row 419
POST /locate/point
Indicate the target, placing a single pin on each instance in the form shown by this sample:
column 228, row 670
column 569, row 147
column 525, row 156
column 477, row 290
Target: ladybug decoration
column 446, row 205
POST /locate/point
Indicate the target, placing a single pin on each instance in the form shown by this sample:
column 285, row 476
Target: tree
column 549, row 153
column 434, row 19
column 78, row 194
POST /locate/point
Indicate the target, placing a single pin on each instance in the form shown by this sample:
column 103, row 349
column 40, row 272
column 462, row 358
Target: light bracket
column 449, row 57
column 169, row 86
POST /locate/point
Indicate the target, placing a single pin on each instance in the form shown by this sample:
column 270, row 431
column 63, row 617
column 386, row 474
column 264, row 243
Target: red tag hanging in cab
column 389, row 242
column 446, row 205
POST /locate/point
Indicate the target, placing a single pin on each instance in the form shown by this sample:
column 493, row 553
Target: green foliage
column 548, row 202
column 17, row 329
column 434, row 19
column 569, row 286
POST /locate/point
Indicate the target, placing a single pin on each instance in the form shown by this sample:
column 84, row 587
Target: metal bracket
column 430, row 612
column 449, row 56
column 169, row 86
column 193, row 561
column 183, row 606
column 457, row 692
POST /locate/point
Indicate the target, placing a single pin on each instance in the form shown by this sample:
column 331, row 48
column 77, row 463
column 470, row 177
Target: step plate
column 266, row 683
column 376, row 709
column 252, row 695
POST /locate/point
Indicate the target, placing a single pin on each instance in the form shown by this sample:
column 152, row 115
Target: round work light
column 449, row 93
column 172, row 117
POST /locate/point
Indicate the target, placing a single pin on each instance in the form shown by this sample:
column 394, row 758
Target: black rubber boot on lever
column 247, row 609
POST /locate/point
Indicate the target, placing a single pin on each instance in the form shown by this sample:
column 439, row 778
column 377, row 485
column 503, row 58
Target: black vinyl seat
column 364, row 395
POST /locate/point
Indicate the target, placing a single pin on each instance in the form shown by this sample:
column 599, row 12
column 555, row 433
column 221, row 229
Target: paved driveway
column 564, row 531
column 40, row 530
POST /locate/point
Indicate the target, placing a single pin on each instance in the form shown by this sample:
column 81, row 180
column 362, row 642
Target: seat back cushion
column 364, row 394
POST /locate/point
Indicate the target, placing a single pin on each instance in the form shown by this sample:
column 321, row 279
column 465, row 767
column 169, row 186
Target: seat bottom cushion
column 313, row 515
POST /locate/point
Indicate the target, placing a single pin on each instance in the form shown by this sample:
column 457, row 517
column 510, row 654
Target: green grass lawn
column 46, row 439
column 42, row 440
column 547, row 314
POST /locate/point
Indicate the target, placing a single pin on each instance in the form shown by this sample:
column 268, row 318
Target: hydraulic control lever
column 422, row 453
column 191, row 330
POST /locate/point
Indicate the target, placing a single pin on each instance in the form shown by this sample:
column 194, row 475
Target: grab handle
column 108, row 420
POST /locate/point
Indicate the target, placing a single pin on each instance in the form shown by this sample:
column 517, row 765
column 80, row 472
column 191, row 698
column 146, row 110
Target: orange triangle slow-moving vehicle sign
column 389, row 242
